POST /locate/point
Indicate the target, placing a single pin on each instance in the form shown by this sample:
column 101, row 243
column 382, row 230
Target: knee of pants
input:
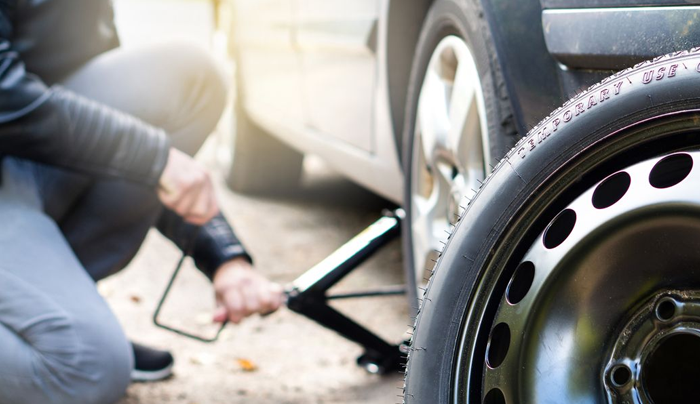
column 59, row 341
column 85, row 363
column 205, row 92
column 213, row 77
column 198, row 70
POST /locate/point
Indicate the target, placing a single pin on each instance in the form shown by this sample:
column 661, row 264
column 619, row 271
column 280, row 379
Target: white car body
column 317, row 80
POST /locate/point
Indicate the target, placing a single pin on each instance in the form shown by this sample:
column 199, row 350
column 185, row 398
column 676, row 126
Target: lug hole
column 670, row 170
column 498, row 345
column 559, row 229
column 666, row 309
column 495, row 396
column 520, row 283
column 620, row 375
column 611, row 190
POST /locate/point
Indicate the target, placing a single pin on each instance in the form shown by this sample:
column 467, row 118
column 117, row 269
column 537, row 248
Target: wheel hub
column 655, row 358
column 605, row 305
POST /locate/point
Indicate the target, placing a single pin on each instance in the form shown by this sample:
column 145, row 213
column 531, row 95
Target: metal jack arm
column 308, row 294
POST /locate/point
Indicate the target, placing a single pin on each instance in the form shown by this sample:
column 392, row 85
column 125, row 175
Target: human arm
column 58, row 127
column 55, row 126
column 217, row 252
column 242, row 292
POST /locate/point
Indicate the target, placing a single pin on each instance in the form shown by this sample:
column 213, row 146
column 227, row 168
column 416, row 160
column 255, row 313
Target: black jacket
column 41, row 41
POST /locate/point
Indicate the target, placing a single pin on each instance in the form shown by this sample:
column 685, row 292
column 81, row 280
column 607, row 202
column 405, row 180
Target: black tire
column 261, row 164
column 636, row 114
column 465, row 19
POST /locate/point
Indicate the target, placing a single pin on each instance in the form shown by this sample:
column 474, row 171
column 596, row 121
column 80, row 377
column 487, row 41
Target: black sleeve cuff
column 210, row 245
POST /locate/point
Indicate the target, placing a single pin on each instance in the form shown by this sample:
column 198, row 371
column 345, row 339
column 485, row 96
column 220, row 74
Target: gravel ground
column 283, row 358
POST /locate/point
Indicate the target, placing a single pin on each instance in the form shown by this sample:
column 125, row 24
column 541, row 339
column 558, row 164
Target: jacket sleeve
column 55, row 126
column 209, row 245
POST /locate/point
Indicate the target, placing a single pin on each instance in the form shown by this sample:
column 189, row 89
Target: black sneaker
column 150, row 364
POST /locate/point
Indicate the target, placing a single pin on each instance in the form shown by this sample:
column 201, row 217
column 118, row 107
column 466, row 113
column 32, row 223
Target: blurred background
column 283, row 358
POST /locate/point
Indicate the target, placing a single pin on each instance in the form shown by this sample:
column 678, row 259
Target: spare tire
column 552, row 286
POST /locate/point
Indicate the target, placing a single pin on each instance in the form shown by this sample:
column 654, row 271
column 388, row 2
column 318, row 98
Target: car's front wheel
column 457, row 125
column 574, row 275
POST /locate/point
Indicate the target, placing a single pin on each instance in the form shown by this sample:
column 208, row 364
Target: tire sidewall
column 529, row 169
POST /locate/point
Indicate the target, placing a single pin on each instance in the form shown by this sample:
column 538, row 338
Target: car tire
column 630, row 122
column 463, row 20
column 261, row 164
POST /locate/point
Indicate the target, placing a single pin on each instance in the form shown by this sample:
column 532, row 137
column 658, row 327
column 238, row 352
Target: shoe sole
column 151, row 375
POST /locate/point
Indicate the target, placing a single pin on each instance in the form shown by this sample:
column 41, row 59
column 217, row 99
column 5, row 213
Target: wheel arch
column 404, row 24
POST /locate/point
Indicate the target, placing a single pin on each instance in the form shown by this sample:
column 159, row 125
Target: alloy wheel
column 450, row 149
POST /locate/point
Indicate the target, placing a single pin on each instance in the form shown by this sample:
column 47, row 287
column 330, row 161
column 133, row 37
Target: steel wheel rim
column 648, row 209
column 450, row 148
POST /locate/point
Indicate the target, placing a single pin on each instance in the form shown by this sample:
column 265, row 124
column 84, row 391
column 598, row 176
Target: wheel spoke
column 463, row 96
column 422, row 180
column 433, row 120
column 425, row 239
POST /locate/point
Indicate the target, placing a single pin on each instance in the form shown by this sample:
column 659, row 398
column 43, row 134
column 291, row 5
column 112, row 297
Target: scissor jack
column 308, row 295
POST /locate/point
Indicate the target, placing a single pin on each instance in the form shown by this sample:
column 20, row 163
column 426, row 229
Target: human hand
column 242, row 292
column 186, row 189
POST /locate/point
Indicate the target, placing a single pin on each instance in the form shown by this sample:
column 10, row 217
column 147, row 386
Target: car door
column 337, row 41
column 269, row 63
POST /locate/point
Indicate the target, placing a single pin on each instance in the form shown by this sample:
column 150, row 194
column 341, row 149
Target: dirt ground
column 296, row 361
column 283, row 358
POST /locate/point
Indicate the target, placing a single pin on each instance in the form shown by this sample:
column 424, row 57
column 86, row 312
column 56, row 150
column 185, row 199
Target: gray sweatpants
column 61, row 231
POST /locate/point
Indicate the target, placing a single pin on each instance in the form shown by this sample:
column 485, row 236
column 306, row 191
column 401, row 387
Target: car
column 569, row 273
